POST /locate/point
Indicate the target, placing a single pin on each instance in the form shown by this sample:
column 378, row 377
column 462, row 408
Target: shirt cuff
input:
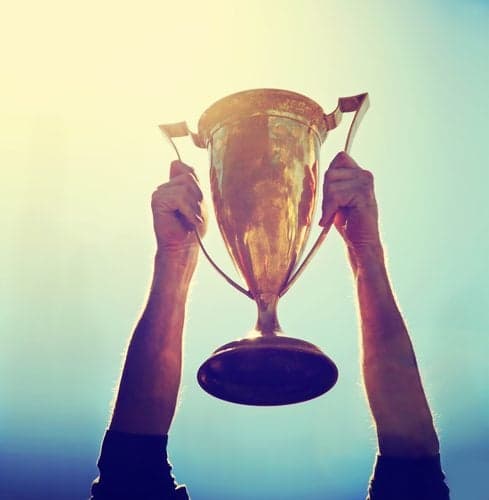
column 135, row 466
column 407, row 478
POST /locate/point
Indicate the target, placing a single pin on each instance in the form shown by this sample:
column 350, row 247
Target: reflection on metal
column 264, row 150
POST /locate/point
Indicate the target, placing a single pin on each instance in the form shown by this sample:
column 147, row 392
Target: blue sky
column 84, row 88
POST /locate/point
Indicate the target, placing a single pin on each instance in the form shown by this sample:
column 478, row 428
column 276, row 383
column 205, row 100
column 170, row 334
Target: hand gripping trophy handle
column 181, row 129
column 358, row 104
column 264, row 150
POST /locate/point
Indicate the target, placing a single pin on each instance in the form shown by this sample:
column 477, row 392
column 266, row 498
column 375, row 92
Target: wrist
column 367, row 258
column 180, row 255
column 176, row 264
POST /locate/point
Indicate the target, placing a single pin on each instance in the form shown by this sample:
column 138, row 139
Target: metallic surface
column 264, row 173
column 268, row 371
column 264, row 150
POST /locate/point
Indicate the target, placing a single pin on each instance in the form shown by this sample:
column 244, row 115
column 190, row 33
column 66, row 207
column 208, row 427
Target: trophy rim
column 259, row 102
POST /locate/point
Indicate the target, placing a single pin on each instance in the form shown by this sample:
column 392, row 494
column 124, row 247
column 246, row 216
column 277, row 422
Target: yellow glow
column 84, row 86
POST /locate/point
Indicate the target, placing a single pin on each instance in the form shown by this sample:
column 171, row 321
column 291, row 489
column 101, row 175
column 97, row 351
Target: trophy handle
column 359, row 104
column 181, row 129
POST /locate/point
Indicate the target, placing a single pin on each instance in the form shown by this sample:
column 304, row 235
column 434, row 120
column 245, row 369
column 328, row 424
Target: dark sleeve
column 135, row 466
column 407, row 479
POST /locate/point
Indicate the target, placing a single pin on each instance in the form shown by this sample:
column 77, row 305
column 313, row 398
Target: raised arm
column 397, row 401
column 150, row 380
column 133, row 457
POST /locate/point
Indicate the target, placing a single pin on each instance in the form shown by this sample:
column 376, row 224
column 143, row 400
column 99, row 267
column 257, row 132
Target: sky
column 83, row 88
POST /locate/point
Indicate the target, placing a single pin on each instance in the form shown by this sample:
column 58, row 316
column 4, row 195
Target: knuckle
column 189, row 178
column 158, row 192
column 328, row 179
column 368, row 176
column 339, row 159
column 328, row 194
column 189, row 173
column 190, row 192
column 332, row 189
column 333, row 197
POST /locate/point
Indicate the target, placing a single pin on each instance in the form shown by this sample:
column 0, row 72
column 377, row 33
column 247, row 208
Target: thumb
column 177, row 168
column 328, row 215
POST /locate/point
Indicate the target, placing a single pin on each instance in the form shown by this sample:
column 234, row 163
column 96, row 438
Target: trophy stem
column 267, row 323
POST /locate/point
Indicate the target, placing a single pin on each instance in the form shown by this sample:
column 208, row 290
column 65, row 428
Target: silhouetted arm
column 397, row 401
column 133, row 462
column 150, row 381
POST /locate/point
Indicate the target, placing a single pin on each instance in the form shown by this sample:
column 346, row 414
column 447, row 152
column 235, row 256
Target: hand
column 349, row 202
column 178, row 209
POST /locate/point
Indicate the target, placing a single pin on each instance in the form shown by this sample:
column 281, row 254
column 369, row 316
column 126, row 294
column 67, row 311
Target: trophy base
column 267, row 371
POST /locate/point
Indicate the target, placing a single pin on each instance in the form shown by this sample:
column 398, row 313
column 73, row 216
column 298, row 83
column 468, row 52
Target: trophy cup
column 264, row 159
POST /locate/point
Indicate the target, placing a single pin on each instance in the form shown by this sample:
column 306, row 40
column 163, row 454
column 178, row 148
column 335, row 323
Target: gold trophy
column 264, row 173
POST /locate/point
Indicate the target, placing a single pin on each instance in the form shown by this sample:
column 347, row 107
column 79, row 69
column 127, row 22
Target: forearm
column 399, row 407
column 150, row 380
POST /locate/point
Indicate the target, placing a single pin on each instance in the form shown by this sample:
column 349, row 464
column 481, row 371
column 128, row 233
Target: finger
column 327, row 222
column 342, row 169
column 343, row 160
column 169, row 198
column 185, row 182
column 190, row 183
column 355, row 185
column 178, row 168
column 340, row 219
column 191, row 213
column 175, row 201
column 329, row 210
column 186, row 215
column 183, row 221
column 340, row 174
column 346, row 193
